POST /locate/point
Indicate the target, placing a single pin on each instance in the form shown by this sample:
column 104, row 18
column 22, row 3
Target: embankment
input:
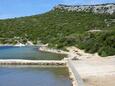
column 45, row 63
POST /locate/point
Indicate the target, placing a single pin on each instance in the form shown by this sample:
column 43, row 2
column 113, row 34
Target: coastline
column 51, row 50
column 29, row 43
column 39, row 63
column 92, row 68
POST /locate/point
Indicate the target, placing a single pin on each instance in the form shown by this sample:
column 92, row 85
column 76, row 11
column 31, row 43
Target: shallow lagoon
column 31, row 76
column 34, row 77
column 28, row 52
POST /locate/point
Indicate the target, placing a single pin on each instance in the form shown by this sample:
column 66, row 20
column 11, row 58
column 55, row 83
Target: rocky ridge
column 100, row 8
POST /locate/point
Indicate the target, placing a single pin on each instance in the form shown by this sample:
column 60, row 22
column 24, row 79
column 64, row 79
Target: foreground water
column 34, row 77
column 10, row 52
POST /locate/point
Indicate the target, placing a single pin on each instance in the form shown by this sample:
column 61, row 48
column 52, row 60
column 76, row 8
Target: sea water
column 34, row 77
column 28, row 52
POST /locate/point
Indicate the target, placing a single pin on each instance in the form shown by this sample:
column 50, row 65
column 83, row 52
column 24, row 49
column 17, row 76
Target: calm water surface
column 34, row 77
column 10, row 52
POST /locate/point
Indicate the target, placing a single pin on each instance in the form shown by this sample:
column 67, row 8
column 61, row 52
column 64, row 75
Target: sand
column 107, row 80
column 93, row 69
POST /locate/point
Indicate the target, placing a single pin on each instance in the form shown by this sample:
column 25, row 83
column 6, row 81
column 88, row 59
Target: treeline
column 61, row 28
column 101, row 42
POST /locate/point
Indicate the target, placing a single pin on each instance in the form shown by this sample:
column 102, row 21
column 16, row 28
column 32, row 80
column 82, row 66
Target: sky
column 18, row 8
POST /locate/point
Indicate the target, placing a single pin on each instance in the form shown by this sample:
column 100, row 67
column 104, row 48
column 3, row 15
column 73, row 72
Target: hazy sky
column 17, row 8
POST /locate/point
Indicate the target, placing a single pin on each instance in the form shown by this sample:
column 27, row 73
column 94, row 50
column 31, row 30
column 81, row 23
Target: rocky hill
column 101, row 8
column 60, row 28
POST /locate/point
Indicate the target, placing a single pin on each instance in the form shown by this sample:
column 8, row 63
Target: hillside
column 91, row 31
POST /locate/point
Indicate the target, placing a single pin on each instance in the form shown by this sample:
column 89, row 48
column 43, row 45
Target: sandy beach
column 46, row 49
column 93, row 69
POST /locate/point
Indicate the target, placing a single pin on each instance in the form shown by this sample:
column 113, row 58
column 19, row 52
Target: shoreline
column 29, row 43
column 92, row 68
column 40, row 63
column 51, row 50
column 72, row 51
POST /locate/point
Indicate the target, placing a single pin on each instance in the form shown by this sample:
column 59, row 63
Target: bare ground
column 93, row 69
column 107, row 80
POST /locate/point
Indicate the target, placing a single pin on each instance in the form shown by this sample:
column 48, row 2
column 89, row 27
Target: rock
column 75, row 58
column 101, row 8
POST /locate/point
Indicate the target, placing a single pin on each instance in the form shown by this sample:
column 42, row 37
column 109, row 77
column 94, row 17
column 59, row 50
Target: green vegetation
column 61, row 28
column 101, row 42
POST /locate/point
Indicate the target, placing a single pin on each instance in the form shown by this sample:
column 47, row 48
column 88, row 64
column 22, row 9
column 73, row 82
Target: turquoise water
column 10, row 52
column 34, row 77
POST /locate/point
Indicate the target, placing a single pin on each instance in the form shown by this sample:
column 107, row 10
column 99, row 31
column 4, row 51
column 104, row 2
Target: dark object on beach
column 75, row 58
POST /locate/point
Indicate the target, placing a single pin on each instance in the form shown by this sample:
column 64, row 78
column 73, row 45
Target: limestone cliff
column 100, row 8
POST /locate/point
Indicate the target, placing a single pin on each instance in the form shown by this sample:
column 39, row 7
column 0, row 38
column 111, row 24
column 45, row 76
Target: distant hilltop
column 100, row 8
